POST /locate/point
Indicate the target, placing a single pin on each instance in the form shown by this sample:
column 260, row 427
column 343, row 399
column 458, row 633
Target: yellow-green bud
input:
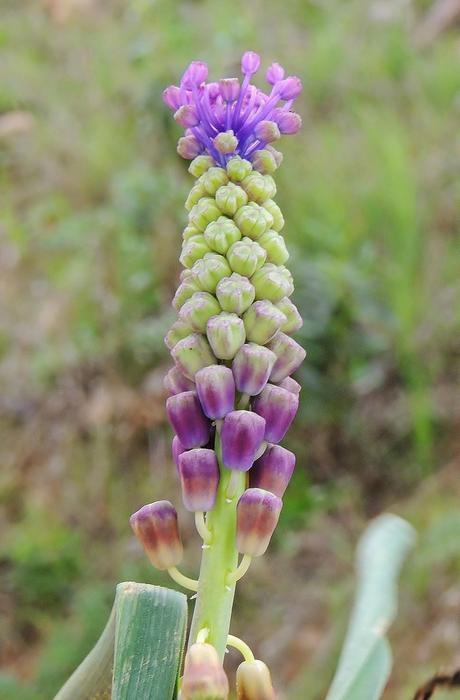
column 195, row 194
column 293, row 320
column 190, row 231
column 203, row 213
column 238, row 168
column 277, row 155
column 178, row 330
column 213, row 179
column 229, row 198
column 226, row 142
column 278, row 219
column 221, row 234
column 226, row 335
column 193, row 250
column 208, row 271
column 259, row 187
column 270, row 283
column 184, row 292
column 191, row 354
column 200, row 165
column 253, row 220
column 287, row 274
column 262, row 321
column 275, row 246
column 246, row 256
column 235, row 293
column 264, row 162
column 197, row 310
column 253, row 681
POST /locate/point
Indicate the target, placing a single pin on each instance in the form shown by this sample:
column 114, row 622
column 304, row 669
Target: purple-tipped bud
column 257, row 515
column 278, row 407
column 229, row 89
column 252, row 367
column 290, row 356
column 178, row 331
column 262, row 321
column 293, row 320
column 253, row 681
column 226, row 335
column 204, row 678
column 274, row 74
column 273, row 470
column 175, row 382
column 191, row 354
column 235, row 293
column 267, row 131
column 171, row 97
column 250, row 63
column 226, row 142
column 195, row 74
column 216, row 390
column 186, row 116
column 242, row 435
column 155, row 526
column 288, row 122
column 176, row 448
column 199, row 476
column 291, row 385
column 189, row 147
column 188, row 420
column 264, row 161
column 289, row 88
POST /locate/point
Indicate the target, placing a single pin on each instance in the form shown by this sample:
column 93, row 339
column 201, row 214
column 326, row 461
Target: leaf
column 147, row 628
column 365, row 662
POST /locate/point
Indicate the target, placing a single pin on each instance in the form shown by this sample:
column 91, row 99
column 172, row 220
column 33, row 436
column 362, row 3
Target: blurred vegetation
column 91, row 211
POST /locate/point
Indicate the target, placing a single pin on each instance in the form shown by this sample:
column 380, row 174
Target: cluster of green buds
column 231, row 394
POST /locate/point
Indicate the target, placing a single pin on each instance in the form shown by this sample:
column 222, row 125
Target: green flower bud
column 264, row 162
column 235, row 293
column 253, row 681
column 226, row 142
column 287, row 274
column 278, row 219
column 203, row 213
column 293, row 318
column 262, row 321
column 253, row 220
column 208, row 271
column 193, row 250
column 259, row 187
column 246, row 256
column 270, row 283
column 178, row 330
column 197, row 310
column 191, row 354
column 238, row 168
column 200, row 165
column 229, row 198
column 184, row 292
column 213, row 179
column 277, row 155
column 221, row 234
column 195, row 194
column 275, row 246
column 190, row 231
column 226, row 335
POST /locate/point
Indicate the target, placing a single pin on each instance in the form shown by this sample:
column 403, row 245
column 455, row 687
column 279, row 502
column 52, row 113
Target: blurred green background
column 91, row 213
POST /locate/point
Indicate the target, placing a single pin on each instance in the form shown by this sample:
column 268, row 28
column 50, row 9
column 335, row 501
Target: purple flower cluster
column 229, row 117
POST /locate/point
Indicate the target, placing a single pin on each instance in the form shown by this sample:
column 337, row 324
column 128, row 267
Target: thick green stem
column 214, row 602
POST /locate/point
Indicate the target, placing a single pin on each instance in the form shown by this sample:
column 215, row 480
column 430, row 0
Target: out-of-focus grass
column 91, row 212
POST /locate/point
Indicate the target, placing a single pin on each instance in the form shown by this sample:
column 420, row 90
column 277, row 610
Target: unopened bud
column 213, row 179
column 270, row 283
column 203, row 213
column 155, row 526
column 273, row 470
column 221, row 234
column 259, row 187
column 262, row 321
column 189, row 147
column 226, row 142
column 267, row 131
column 274, row 73
column 253, row 220
column 289, row 88
column 235, row 293
column 241, row 436
column 288, row 122
column 178, row 331
column 291, row 385
column 290, row 356
column 277, row 155
column 188, row 420
column 264, row 161
column 208, row 271
column 184, row 292
column 253, row 681
column 230, row 198
column 193, row 250
column 200, row 165
column 204, row 678
column 192, row 353
column 275, row 246
column 257, row 515
column 216, row 390
column 197, row 310
column 278, row 407
column 175, row 382
column 229, row 89
column 189, row 232
column 251, row 368
column 194, row 196
column 278, row 219
column 199, row 476
column 176, row 449
column 250, row 63
column 186, row 116
column 293, row 320
column 246, row 256
column 238, row 168
column 226, row 335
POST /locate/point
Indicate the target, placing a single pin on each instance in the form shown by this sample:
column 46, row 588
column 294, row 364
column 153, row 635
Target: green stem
column 213, row 608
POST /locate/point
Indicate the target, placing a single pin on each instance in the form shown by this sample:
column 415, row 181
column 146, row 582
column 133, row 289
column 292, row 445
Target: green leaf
column 147, row 629
column 365, row 663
